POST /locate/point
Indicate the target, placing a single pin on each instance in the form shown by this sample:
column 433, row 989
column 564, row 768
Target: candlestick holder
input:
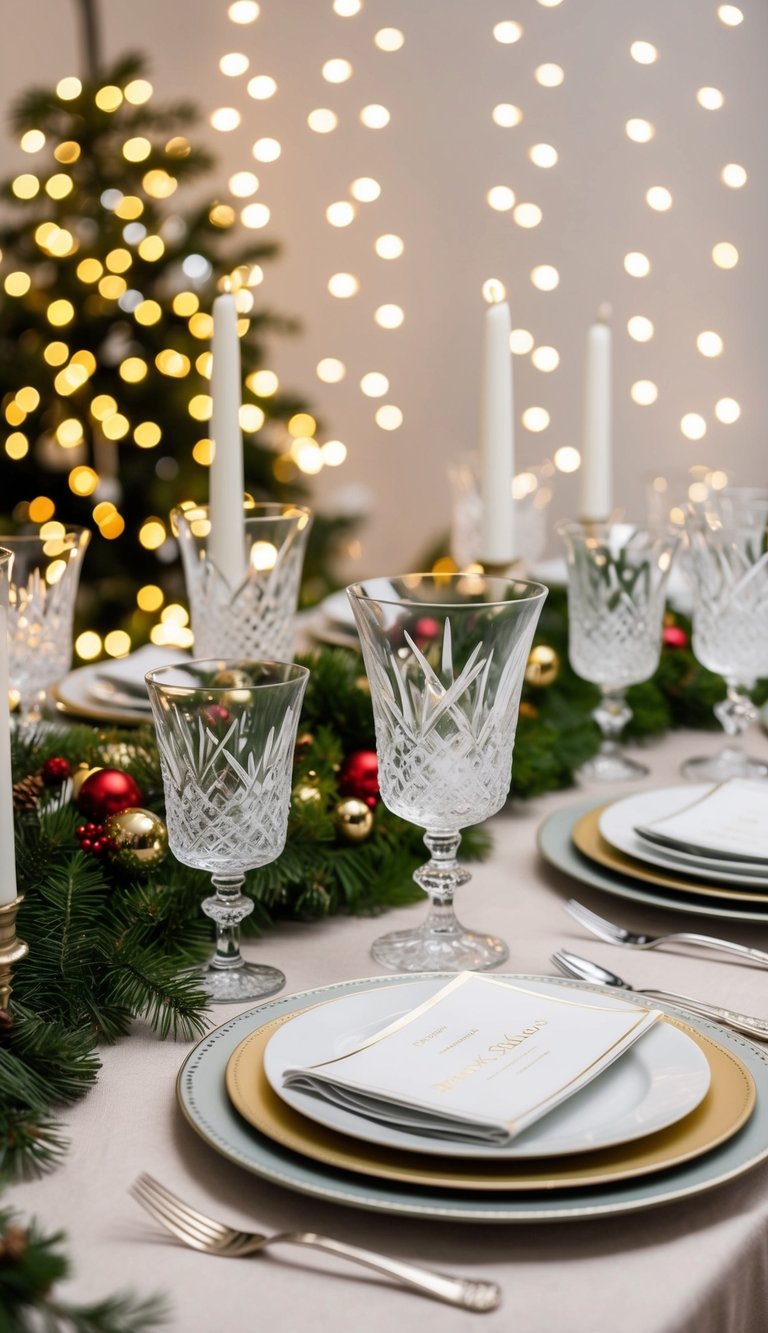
column 531, row 496
column 255, row 619
column 12, row 949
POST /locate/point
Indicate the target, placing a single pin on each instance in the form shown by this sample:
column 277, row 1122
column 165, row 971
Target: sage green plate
column 202, row 1096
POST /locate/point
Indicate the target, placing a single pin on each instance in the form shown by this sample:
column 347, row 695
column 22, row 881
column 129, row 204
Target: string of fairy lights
column 526, row 213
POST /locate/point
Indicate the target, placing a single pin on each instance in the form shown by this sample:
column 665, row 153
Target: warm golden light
column 521, row 342
column 233, row 64
column 115, row 426
column 711, row 99
column 200, row 407
column 261, row 87
column 69, row 433
column 493, row 291
column 389, row 316
column 117, row 261
column 59, row 185
column 109, row 98
column 727, row 410
column 137, row 149
column 32, row 141
column 346, row 9
column 302, row 424
column 388, row 246
column 185, row 304
column 333, row 453
column 67, row 152
column 255, row 216
column 201, row 326
column 152, row 534
column 644, row 53
column 659, row 198
column 225, row 119
column 133, row 369
column 117, row 643
column 535, row 419
column 25, row 186
column 374, row 116
column 640, row 328
column 68, row 89
column 365, row 189
column 733, row 175
column 340, row 214
column 545, row 358
column 508, row 32
column 730, row 15
column 709, row 343
column 639, row 130
column 158, row 184
column 83, row 480
column 263, row 383
column 389, row 417
column 507, row 115
column 251, row 418
column 500, row 197
column 322, row 120
column 16, row 445
column 56, row 353
column 644, row 393
column 725, row 255
column 243, row 11
column 89, row 270
column 222, row 215
column 103, row 406
column 147, row 434
column 545, row 277
column 27, row 398
column 693, row 426
column 17, row 283
column 266, row 150
column 567, row 459
column 138, row 91
column 88, row 645
column 147, row 312
column 131, row 206
column 60, row 312
column 637, row 264
column 549, row 76
column 151, row 249
column 330, row 370
column 389, row 39
column 543, row 155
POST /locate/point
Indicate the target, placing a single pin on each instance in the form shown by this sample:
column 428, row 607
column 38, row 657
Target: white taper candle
column 596, row 500
column 497, row 440
column 226, row 542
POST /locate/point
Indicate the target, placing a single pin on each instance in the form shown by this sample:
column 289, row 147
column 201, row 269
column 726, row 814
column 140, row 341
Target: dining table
column 695, row 1264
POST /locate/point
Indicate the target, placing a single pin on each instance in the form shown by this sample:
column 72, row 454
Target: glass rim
column 536, row 591
column 70, row 530
column 297, row 673
column 257, row 509
column 599, row 527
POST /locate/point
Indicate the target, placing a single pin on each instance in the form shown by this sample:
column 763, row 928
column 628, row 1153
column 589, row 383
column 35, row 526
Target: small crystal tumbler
column 255, row 618
column 728, row 554
column 45, row 576
column 617, row 577
column 226, row 732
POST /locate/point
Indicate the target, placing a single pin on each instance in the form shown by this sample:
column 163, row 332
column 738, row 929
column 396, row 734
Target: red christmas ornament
column 106, row 792
column 674, row 637
column 92, row 839
column 426, row 630
column 359, row 776
column 55, row 771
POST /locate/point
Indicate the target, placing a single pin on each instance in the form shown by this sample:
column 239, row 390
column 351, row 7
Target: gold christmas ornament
column 78, row 778
column 353, row 819
column 306, row 794
column 138, row 840
column 543, row 666
column 236, row 682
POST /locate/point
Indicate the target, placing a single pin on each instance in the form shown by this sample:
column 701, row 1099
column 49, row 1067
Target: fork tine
column 176, row 1229
column 182, row 1214
column 564, row 965
column 587, row 917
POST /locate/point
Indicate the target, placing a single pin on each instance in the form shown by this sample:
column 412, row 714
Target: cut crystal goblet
column 728, row 554
column 225, row 734
column 617, row 576
column 445, row 657
column 45, row 576
column 254, row 619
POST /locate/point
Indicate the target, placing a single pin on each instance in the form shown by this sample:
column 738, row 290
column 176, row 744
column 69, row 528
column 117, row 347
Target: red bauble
column 359, row 776
column 107, row 792
column 674, row 637
column 426, row 630
column 55, row 771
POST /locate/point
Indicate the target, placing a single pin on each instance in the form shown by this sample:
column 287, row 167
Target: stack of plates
column 685, row 1109
column 334, row 623
column 597, row 844
column 114, row 691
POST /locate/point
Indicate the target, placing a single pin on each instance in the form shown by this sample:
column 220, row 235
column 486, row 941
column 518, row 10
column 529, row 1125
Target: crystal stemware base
column 248, row 981
column 730, row 762
column 611, row 764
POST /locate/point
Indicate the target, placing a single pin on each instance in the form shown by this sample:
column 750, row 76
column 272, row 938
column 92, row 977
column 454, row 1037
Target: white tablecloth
column 698, row 1266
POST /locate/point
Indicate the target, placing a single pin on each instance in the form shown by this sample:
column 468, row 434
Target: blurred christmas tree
column 104, row 345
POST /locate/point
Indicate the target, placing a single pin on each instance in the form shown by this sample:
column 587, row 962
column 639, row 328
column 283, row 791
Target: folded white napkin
column 480, row 1061
column 729, row 822
column 127, row 673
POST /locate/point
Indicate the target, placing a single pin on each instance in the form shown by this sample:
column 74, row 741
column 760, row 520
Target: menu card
column 480, row 1061
column 730, row 821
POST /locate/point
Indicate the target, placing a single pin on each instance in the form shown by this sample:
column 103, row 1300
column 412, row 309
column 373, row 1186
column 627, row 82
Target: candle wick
column 225, row 284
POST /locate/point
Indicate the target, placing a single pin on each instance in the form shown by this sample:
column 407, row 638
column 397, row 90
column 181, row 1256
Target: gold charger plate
column 590, row 842
column 726, row 1107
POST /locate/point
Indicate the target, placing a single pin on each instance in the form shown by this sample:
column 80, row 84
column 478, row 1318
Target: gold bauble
column 238, row 685
column 353, row 819
column 307, row 794
column 139, row 840
column 78, row 778
column 543, row 666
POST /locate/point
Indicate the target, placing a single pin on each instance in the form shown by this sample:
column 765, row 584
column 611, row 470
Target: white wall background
column 435, row 161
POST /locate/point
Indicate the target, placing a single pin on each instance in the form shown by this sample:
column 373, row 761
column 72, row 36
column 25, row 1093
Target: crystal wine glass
column 445, row 657
column 617, row 575
column 256, row 618
column 45, row 576
column 225, row 733
column 728, row 551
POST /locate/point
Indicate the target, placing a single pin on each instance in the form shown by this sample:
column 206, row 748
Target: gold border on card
column 726, row 1107
column 588, row 839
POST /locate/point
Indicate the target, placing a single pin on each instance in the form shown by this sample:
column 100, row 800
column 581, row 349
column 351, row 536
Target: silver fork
column 613, row 934
column 203, row 1233
column 586, row 970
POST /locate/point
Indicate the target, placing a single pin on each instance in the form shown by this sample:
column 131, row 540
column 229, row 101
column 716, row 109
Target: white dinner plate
column 660, row 1079
column 338, row 611
column 620, row 819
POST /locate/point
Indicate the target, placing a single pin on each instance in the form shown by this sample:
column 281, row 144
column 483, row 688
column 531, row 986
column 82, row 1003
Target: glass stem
column 611, row 715
column 736, row 711
column 440, row 878
column 228, row 908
